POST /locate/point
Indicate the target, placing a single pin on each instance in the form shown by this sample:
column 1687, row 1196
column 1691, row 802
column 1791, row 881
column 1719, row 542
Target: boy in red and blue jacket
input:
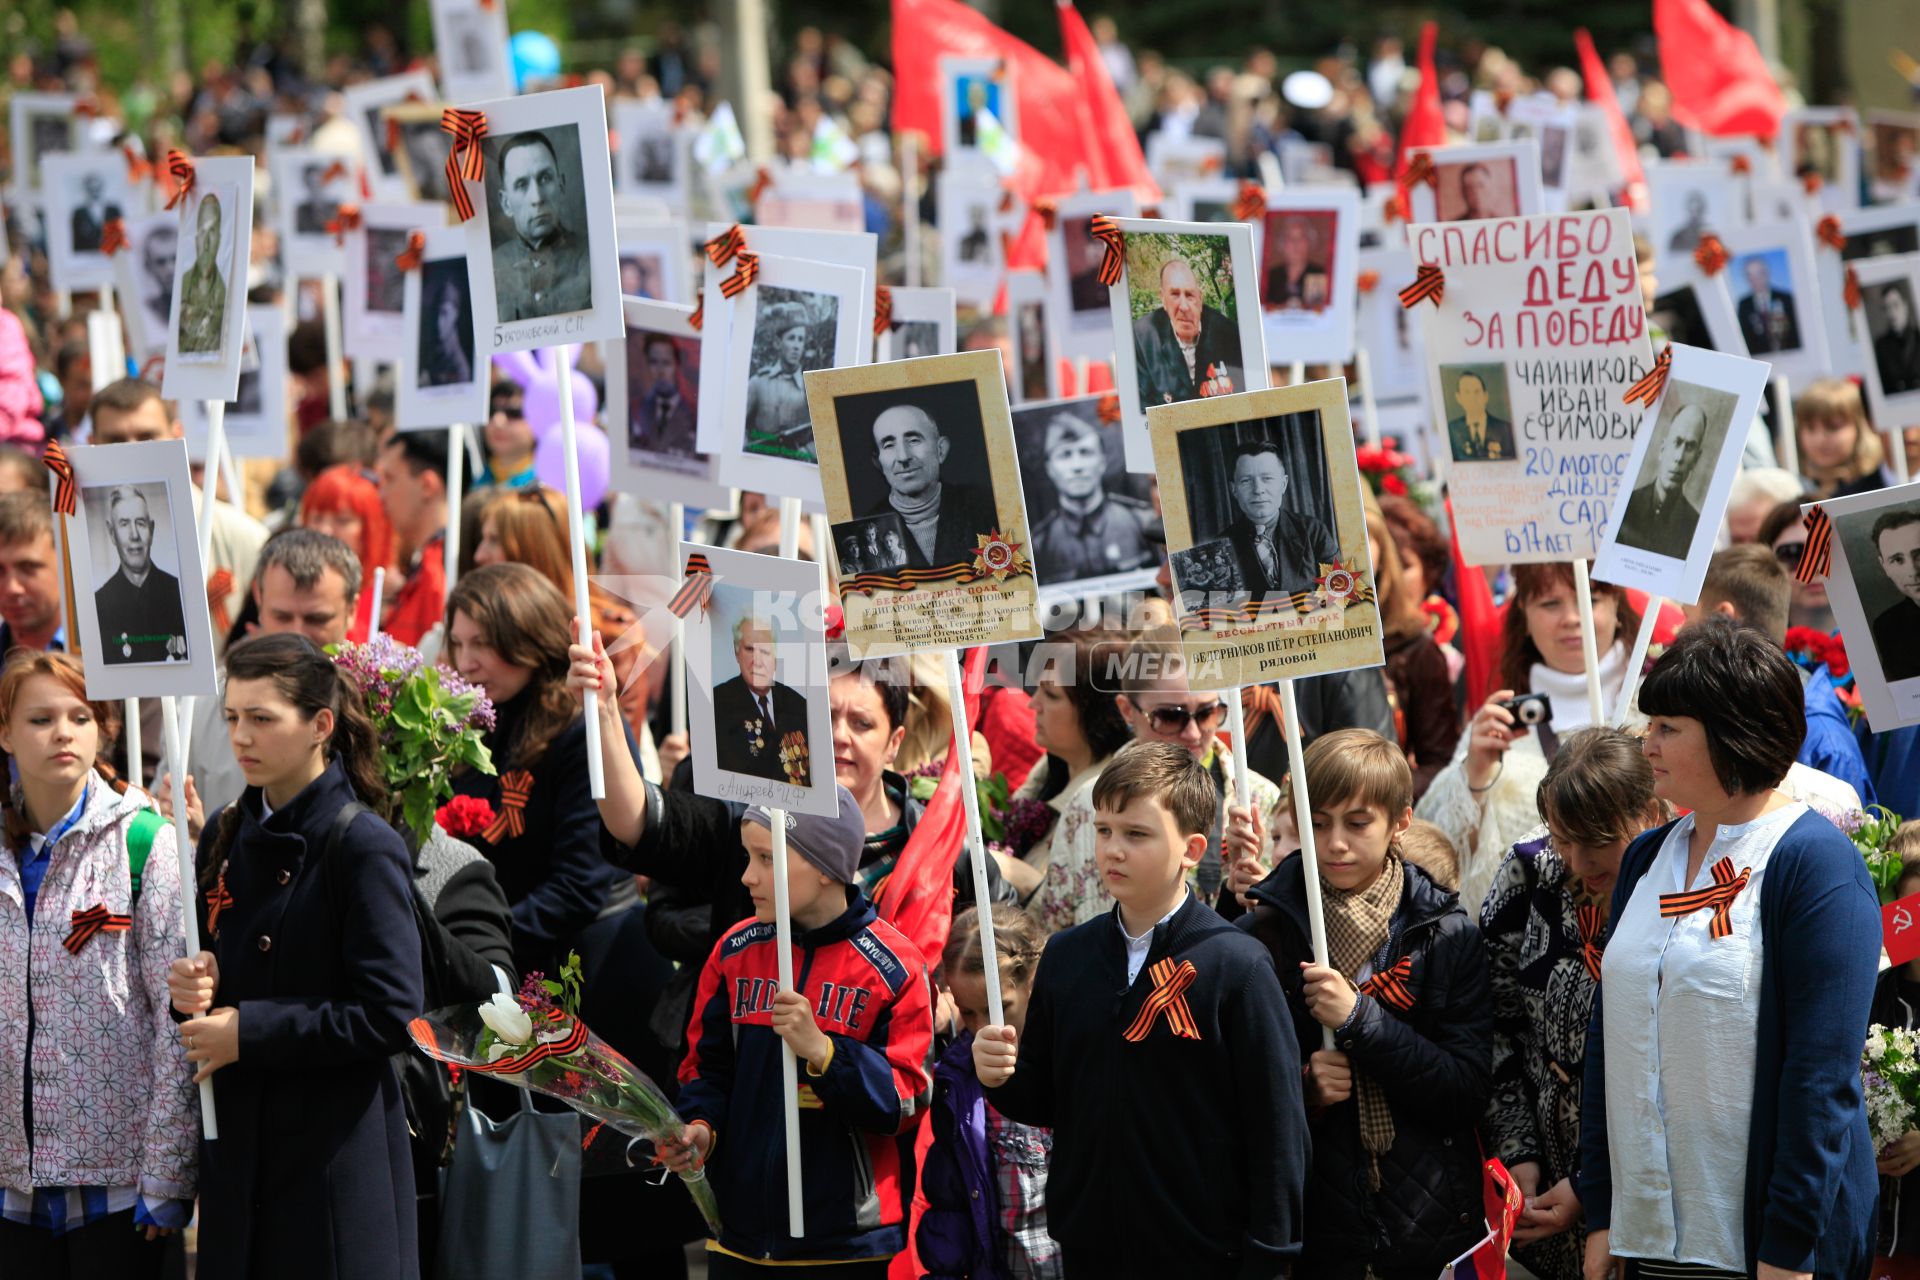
column 860, row 1020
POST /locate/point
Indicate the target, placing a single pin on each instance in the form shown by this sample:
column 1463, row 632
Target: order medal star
column 999, row 556
column 1339, row 585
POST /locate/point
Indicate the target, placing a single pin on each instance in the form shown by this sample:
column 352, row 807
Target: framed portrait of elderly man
column 1094, row 533
column 374, row 316
column 1874, row 587
column 655, row 157
column 470, row 37
column 1082, row 307
column 921, row 323
column 922, row 484
column 84, row 192
column 210, row 281
column 1308, row 274
column 309, row 188
column 1889, row 317
column 1484, row 180
column 443, row 376
column 1036, row 366
column 380, row 153
column 1776, row 297
column 1186, row 323
column 757, row 706
column 795, row 317
column 138, row 596
column 542, row 238
column 1690, row 198
column 1266, row 533
column 1673, row 495
column 653, row 392
column 1823, row 143
column 41, row 125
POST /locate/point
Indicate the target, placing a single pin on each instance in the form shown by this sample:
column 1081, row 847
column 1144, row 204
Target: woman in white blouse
column 1723, row 1133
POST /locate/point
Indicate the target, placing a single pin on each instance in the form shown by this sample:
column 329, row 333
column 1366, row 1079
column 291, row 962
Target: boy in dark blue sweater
column 1159, row 1050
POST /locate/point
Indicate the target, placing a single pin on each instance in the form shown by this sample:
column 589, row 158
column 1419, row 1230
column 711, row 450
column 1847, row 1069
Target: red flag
column 1424, row 126
column 917, row 897
column 1600, row 91
column 1900, row 928
column 1116, row 158
column 1720, row 82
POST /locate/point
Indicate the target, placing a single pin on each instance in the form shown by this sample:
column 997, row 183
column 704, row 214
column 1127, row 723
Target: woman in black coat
column 312, row 976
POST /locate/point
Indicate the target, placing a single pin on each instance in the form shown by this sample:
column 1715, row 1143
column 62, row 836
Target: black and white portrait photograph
column 1874, row 587
column 922, row 323
column 1490, row 180
column 471, row 38
column 1689, row 198
column 373, row 317
column 1478, row 412
column 1890, row 337
column 653, row 159
column 1673, row 492
column 928, row 443
column 364, row 103
column 654, row 260
column 971, row 250
column 420, row 159
column 1036, row 374
column 1095, row 518
column 310, row 187
column 42, row 125
column 84, row 192
column 143, row 277
column 870, row 544
column 1082, row 308
column 1186, row 320
column 139, row 592
column 1261, row 504
column 758, row 712
column 653, row 388
column 550, row 272
column 1875, row 231
column 1823, row 143
column 1776, row 298
column 444, row 374
column 210, row 280
column 1550, row 124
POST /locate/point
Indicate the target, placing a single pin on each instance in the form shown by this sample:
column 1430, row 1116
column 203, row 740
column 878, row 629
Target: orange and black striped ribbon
column 1711, row 255
column 1829, row 233
column 465, row 162
column 1850, row 288
column 1816, row 561
column 345, row 218
column 1420, row 169
column 907, row 579
column 515, row 1064
column 1108, row 409
column 410, row 258
column 1251, row 205
column 1649, row 387
column 139, row 168
column 1396, row 209
column 218, row 900
column 180, row 169
column 113, row 236
column 1726, row 887
column 696, row 587
column 882, row 309
column 1428, row 284
column 1389, row 986
column 95, row 919
column 219, row 587
column 1170, row 981
column 64, row 489
column 746, row 268
column 698, row 319
column 721, row 248
column 516, row 786
column 1107, row 232
column 1590, row 949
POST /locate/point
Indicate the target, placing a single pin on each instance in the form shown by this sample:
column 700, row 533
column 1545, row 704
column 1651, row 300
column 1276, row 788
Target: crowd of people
column 1171, row 1046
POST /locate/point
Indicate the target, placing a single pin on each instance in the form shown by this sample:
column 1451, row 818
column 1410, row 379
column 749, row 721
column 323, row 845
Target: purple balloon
column 596, row 461
column 535, row 372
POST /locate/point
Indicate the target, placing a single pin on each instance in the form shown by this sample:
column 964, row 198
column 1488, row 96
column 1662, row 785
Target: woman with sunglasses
column 1159, row 705
column 1786, row 532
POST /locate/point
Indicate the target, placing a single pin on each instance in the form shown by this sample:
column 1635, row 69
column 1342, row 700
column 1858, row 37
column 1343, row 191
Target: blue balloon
column 535, row 57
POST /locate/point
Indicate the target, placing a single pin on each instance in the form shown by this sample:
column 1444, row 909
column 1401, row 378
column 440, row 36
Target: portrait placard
column 1082, row 310
column 1874, row 588
column 1391, row 335
column 1176, row 160
column 1661, row 532
column 1694, row 309
column 1487, row 180
column 1689, row 198
column 1877, row 231
column 796, row 316
column 1541, row 331
column 1823, row 143
column 143, row 281
column 471, row 38
column 420, row 156
column 214, row 235
column 1308, row 274
column 655, row 157
column 364, row 101
column 1092, row 536
column 1548, row 123
column 1895, row 137
column 967, row 85
column 542, row 241
column 1889, row 327
column 654, row 259
column 139, row 589
column 442, row 378
column 375, row 314
column 1207, row 200
column 653, row 391
column 309, row 188
column 814, row 201
column 971, row 252
column 1036, row 366
column 41, row 125
column 1776, row 297
column 757, row 705
column 83, row 192
column 1593, row 171
column 255, row 424
column 1266, row 534
column 922, row 486
column 1186, row 320
column 922, row 323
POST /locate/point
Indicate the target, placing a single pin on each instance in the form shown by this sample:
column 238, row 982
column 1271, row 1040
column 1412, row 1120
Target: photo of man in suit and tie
column 662, row 401
column 92, row 210
column 753, row 711
column 1766, row 310
column 1280, row 532
column 1479, row 427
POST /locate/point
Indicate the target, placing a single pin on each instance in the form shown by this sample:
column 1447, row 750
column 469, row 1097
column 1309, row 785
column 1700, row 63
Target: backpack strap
column 146, row 825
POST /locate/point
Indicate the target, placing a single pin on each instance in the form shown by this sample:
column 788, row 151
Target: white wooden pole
column 136, row 774
column 1237, row 726
column 1296, row 373
column 577, row 538
column 976, row 847
column 379, row 590
column 677, row 660
column 1589, row 645
column 336, row 356
column 1637, row 659
column 189, row 882
column 783, row 935
column 1369, row 405
column 216, row 411
column 1303, row 821
column 1786, row 441
column 456, row 483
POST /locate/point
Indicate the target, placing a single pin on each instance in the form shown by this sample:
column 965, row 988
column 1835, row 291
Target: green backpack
column 140, row 833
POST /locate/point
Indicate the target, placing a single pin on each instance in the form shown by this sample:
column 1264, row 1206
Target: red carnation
column 1393, row 484
column 464, row 816
column 1838, row 665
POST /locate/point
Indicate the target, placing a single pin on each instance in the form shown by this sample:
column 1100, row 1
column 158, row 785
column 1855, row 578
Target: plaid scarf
column 1358, row 925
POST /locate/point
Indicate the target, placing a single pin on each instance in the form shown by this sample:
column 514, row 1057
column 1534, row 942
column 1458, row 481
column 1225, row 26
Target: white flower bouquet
column 1890, row 1077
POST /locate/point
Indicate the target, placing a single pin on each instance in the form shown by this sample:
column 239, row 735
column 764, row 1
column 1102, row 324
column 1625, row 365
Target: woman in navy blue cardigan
column 1723, row 1131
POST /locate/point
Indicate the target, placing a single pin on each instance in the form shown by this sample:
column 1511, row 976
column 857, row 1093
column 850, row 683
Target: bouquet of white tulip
column 533, row 1042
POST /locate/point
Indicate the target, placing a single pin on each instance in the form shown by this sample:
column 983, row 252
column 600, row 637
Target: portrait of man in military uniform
column 786, row 322
column 1093, row 525
column 138, row 606
column 203, row 289
column 539, row 243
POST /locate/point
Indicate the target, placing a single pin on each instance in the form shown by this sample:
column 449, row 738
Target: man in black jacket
column 1185, row 349
column 1280, row 550
column 752, row 712
column 944, row 518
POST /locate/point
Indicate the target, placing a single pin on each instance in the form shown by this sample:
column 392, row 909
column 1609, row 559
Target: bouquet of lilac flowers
column 430, row 723
column 1890, row 1075
column 1872, row 830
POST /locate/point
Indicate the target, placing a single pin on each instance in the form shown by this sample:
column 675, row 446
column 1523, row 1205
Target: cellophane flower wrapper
column 563, row 1060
